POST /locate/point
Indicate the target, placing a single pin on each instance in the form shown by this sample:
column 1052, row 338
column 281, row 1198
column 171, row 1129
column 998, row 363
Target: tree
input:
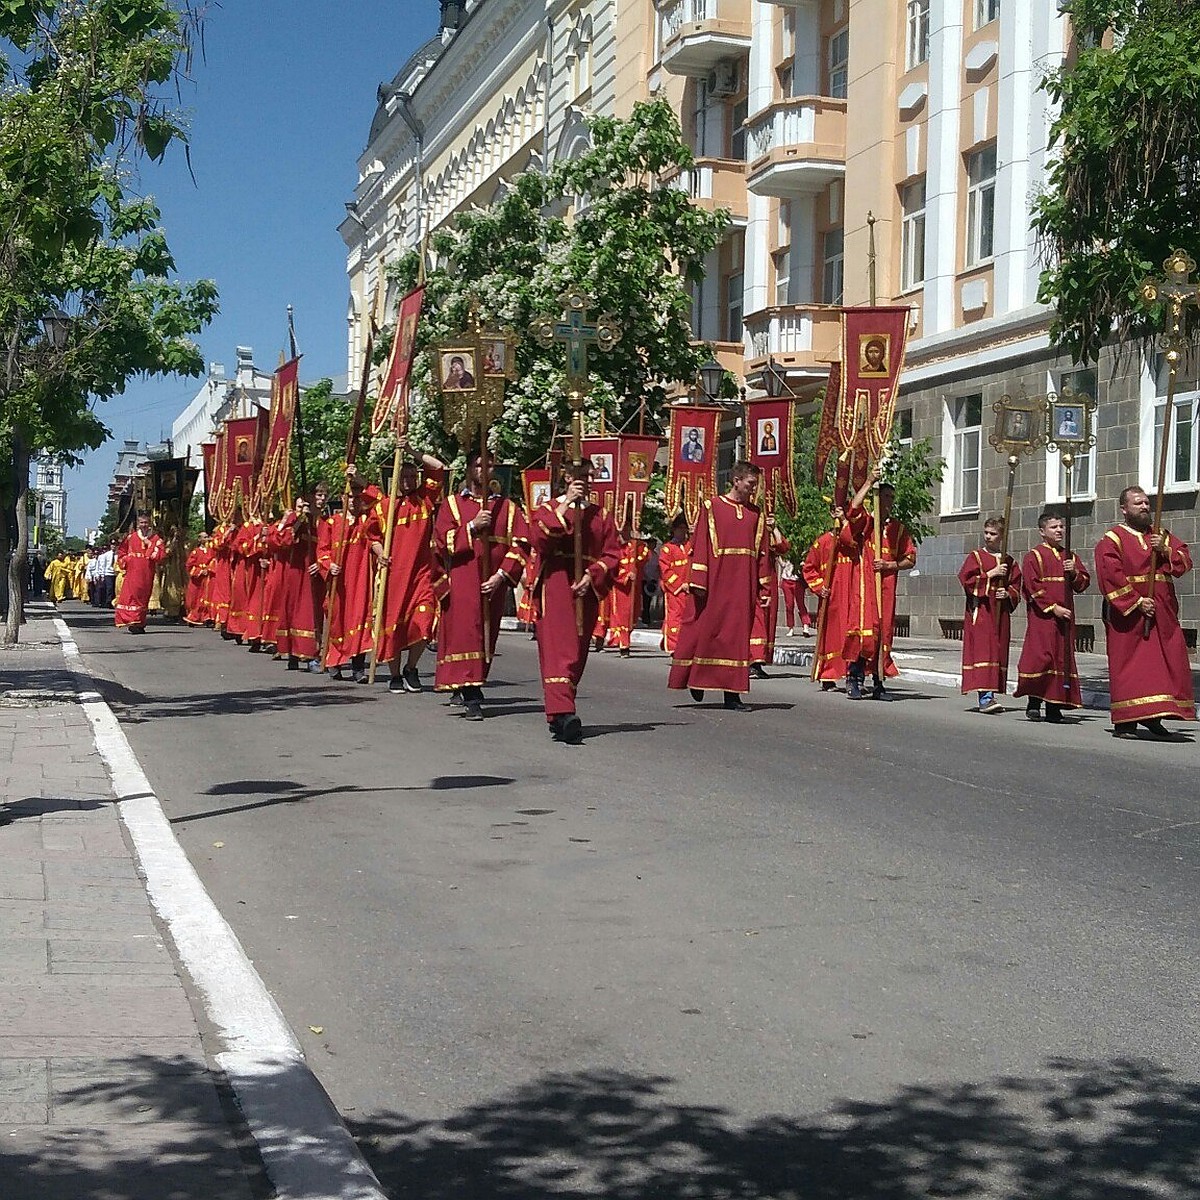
column 86, row 295
column 326, row 418
column 634, row 245
column 1124, row 186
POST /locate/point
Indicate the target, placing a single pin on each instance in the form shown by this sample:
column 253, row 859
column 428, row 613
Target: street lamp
column 774, row 379
column 56, row 326
column 712, row 376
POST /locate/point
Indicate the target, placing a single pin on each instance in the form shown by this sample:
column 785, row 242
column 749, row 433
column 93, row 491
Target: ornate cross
column 577, row 334
column 1178, row 290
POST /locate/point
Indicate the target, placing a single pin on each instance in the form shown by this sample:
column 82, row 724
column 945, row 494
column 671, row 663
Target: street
column 818, row 948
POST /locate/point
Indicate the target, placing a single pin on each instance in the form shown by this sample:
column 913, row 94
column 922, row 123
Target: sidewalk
column 119, row 1075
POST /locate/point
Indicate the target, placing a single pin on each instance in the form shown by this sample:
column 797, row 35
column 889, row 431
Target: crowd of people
column 376, row 582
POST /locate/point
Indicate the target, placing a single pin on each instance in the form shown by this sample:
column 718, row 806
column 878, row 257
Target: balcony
column 802, row 338
column 698, row 34
column 715, row 184
column 797, row 146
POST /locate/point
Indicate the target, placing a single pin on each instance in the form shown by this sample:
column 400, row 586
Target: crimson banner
column 208, row 452
column 245, row 442
column 873, row 345
column 392, row 404
column 635, row 466
column 769, row 425
column 692, row 462
column 285, row 392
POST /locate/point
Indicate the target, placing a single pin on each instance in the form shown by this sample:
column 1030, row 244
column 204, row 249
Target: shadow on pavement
column 1081, row 1131
column 45, row 806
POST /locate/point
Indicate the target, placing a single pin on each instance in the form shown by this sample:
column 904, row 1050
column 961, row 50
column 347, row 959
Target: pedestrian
column 651, row 586
column 345, row 558
column 992, row 583
column 729, row 578
column 766, row 618
column 791, row 583
column 1149, row 675
column 625, row 599
column 58, row 576
column 567, row 606
column 480, row 544
column 296, row 594
column 138, row 557
column 674, row 569
column 830, row 571
column 1051, row 576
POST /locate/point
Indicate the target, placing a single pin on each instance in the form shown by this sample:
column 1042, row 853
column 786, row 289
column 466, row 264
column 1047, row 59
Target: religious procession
column 367, row 578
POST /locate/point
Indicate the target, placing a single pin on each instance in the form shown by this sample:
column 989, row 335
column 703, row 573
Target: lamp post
column 774, row 380
column 712, row 376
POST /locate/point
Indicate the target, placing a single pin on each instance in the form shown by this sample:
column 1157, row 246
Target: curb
column 306, row 1149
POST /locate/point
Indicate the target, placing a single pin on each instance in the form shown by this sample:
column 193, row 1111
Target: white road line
column 306, row 1149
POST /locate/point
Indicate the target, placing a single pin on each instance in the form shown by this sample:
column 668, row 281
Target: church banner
column 769, row 425
column 872, row 354
column 208, row 452
column 635, row 466
column 601, row 452
column 276, row 469
column 392, row 405
column 538, row 482
column 692, row 462
column 245, row 440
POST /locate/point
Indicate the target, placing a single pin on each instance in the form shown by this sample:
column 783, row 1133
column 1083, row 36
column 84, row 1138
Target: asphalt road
column 819, row 949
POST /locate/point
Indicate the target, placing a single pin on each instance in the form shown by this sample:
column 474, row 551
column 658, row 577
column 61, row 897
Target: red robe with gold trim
column 409, row 606
column 762, row 640
column 245, row 601
column 137, row 557
column 1046, row 668
column 199, row 571
column 298, row 592
column 459, row 555
column 897, row 544
column 350, row 612
column 1151, row 676
column 525, row 605
column 819, row 576
column 562, row 651
column 674, row 572
column 625, row 599
column 986, row 643
column 221, row 594
column 730, row 575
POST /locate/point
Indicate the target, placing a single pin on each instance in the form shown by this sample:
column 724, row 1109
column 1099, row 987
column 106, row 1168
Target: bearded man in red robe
column 674, row 572
column 479, row 545
column 138, row 556
column 1050, row 577
column 992, row 583
column 730, row 577
column 1149, row 675
column 762, row 640
column 564, row 640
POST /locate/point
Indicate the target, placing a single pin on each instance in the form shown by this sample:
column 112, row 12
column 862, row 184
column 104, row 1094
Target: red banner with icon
column 277, row 462
column 601, row 452
column 392, row 405
column 769, row 425
column 244, row 444
column 693, row 438
column 872, row 357
column 635, row 468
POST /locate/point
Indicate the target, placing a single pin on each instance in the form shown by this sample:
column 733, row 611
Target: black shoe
column 456, row 698
column 555, row 726
column 572, row 730
column 395, row 684
column 1157, row 728
column 336, row 674
column 293, row 663
column 733, row 703
column 696, row 694
column 879, row 692
column 1125, row 729
column 1033, row 709
column 757, row 671
column 1054, row 714
column 828, row 685
column 361, row 677
column 624, row 651
column 853, row 688
column 474, row 711
column 411, row 680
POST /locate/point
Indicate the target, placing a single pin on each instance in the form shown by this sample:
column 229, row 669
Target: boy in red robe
column 729, row 579
column 344, row 555
column 409, row 606
column 221, row 592
column 674, row 570
column 296, row 598
column 1050, row 577
column 819, row 570
column 479, row 547
column 562, row 648
column 138, row 556
column 1149, row 675
column 625, row 599
column 993, row 588
column 762, row 640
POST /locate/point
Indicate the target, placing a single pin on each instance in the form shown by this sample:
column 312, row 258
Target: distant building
column 52, row 498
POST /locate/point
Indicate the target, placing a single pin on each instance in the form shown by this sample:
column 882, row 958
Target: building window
column 782, row 257
column 966, row 443
column 985, row 11
column 1182, row 448
column 918, row 32
column 912, row 235
column 700, row 119
column 833, row 276
column 839, row 63
column 734, row 288
column 902, row 428
column 738, row 112
column 981, row 205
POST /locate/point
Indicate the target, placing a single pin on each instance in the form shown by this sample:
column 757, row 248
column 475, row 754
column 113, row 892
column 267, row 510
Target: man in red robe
column 1149, row 675
column 819, row 570
column 296, row 600
column 674, row 573
column 138, row 556
column 762, row 640
column 1050, row 577
column 409, row 607
column 898, row 552
column 992, row 583
column 344, row 555
column 199, row 572
column 625, row 599
column 221, row 592
column 479, row 547
column 729, row 576
column 562, row 648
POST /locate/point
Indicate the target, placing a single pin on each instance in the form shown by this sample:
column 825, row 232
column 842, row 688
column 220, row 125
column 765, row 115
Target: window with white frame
column 701, row 119
column 735, row 285
column 985, row 11
column 981, row 205
column 963, row 452
column 739, row 110
column 918, row 33
column 912, row 235
column 1083, row 469
column 782, row 257
column 833, row 273
column 839, row 63
column 902, row 428
column 1183, row 448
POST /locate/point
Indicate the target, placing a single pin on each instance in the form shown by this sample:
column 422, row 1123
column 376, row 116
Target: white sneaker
column 791, row 633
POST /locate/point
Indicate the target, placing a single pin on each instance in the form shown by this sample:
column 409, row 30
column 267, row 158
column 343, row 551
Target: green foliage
column 326, row 418
column 914, row 471
column 633, row 245
column 811, row 518
column 1124, row 186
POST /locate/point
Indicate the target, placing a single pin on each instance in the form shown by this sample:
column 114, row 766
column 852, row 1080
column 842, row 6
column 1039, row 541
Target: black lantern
column 56, row 326
column 774, row 379
column 712, row 376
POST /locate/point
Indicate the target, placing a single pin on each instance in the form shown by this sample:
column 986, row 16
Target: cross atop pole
column 578, row 334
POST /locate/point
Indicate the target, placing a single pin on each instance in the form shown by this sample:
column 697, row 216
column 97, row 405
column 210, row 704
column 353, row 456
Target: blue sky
column 279, row 109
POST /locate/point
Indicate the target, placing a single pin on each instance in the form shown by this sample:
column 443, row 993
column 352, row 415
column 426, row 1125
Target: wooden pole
column 877, row 519
column 577, row 459
column 1173, row 333
column 1013, row 459
column 299, row 422
column 381, row 575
